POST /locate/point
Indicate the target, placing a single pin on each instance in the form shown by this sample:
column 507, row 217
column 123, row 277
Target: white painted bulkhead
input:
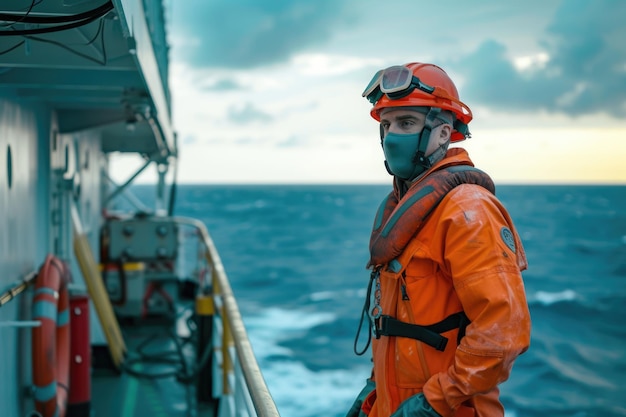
column 41, row 171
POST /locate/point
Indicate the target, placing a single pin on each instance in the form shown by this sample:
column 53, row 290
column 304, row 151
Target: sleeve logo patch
column 507, row 238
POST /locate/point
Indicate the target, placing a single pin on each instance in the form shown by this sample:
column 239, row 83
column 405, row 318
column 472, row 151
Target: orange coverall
column 458, row 261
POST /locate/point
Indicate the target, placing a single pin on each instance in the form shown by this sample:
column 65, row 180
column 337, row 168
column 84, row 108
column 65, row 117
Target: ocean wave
column 246, row 206
column 560, row 388
column 299, row 391
column 334, row 295
column 268, row 329
column 547, row 298
column 570, row 370
column 283, row 320
column 598, row 309
column 595, row 246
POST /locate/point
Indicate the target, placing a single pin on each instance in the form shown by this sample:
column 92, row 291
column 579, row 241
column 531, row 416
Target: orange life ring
column 51, row 340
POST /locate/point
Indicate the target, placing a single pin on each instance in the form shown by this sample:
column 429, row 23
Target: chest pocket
column 427, row 292
column 421, row 266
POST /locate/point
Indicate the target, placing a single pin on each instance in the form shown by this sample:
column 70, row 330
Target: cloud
column 222, row 85
column 321, row 64
column 546, row 56
column 492, row 79
column 189, row 139
column 246, row 141
column 252, row 33
column 589, row 50
column 585, row 69
column 247, row 114
column 294, row 141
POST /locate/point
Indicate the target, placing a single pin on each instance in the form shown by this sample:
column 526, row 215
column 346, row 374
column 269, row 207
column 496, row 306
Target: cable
column 59, row 28
column 100, row 29
column 60, row 45
column 179, row 368
column 83, row 19
column 21, row 19
column 6, row 51
column 56, row 19
column 100, row 32
column 167, row 357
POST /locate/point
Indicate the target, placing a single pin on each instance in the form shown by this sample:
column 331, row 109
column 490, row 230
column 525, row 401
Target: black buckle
column 389, row 326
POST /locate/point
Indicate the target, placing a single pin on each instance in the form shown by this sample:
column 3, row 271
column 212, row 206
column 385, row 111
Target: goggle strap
column 374, row 96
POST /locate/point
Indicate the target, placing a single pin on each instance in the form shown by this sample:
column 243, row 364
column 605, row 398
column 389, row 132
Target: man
column 446, row 300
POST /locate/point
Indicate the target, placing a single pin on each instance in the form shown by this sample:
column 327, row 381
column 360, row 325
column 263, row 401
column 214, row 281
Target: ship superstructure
column 152, row 323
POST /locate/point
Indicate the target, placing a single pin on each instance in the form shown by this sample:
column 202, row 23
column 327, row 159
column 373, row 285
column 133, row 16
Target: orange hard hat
column 434, row 88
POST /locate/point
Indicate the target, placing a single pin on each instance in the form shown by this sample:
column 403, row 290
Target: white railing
column 236, row 373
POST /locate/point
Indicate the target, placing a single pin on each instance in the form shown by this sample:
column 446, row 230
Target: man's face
column 404, row 122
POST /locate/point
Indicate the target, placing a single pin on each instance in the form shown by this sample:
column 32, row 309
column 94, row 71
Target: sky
column 270, row 91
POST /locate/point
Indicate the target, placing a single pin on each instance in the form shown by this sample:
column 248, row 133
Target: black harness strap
column 431, row 334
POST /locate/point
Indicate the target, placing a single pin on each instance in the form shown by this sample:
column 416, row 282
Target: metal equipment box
column 142, row 239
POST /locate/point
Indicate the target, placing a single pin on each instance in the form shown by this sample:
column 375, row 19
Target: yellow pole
column 97, row 291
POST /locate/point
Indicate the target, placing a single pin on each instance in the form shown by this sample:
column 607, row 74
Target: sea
column 296, row 254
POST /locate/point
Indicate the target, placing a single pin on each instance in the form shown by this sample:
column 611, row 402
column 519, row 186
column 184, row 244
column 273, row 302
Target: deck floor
column 142, row 387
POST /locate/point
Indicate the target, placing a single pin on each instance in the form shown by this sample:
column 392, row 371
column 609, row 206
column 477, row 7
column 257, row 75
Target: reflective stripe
column 63, row 318
column 420, row 193
column 46, row 393
column 395, row 266
column 380, row 214
column 45, row 309
column 46, row 290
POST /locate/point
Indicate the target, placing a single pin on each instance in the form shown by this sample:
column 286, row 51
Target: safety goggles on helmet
column 396, row 81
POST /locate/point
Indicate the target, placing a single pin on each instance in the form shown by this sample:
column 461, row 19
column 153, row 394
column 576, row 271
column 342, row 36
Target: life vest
column 394, row 226
column 395, row 223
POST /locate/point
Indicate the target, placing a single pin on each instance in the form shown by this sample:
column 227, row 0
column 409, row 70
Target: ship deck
column 154, row 378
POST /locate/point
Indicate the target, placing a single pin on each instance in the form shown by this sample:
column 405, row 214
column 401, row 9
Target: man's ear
column 445, row 131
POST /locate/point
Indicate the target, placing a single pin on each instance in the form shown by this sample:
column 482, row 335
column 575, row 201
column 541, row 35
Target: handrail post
column 205, row 312
column 227, row 362
column 234, row 332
